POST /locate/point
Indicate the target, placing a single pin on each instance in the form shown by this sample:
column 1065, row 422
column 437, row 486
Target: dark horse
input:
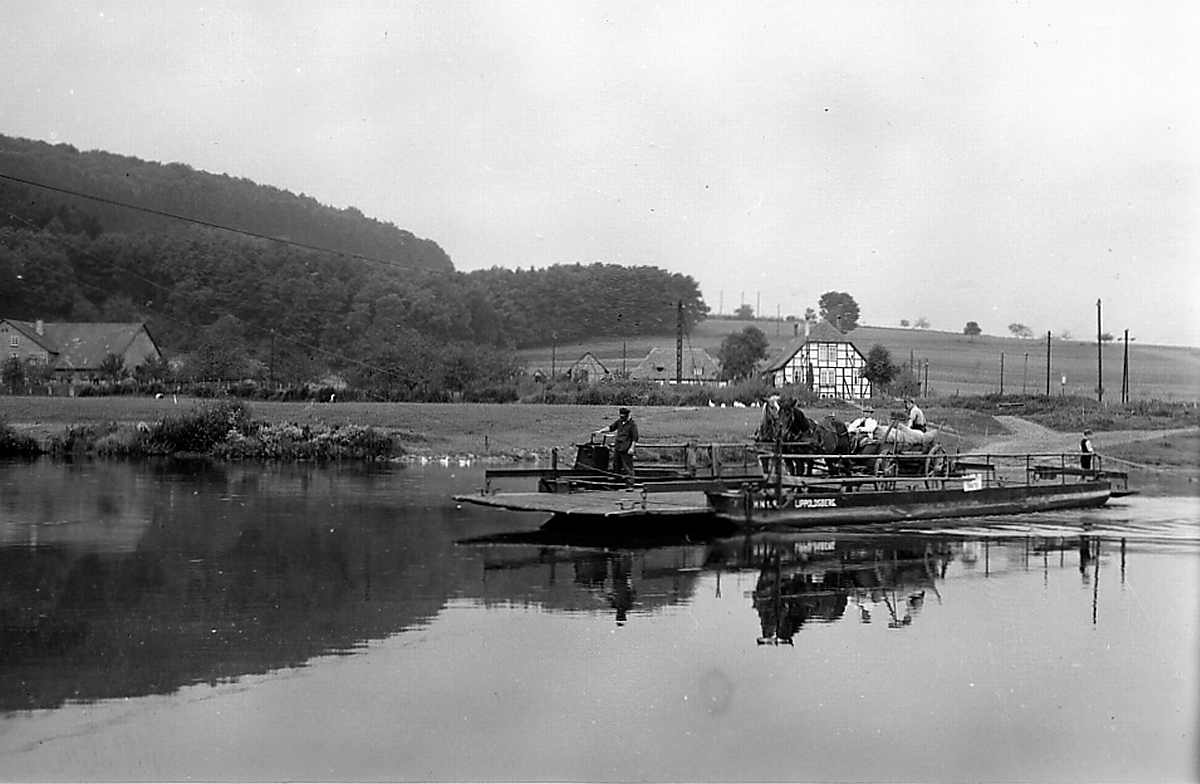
column 785, row 424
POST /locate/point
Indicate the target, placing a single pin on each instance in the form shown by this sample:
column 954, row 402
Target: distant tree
column 153, row 369
column 112, row 367
column 12, row 374
column 879, row 370
column 1106, row 337
column 904, row 323
column 1019, row 330
column 744, row 312
column 972, row 329
column 840, row 309
column 740, row 353
column 810, row 316
column 1065, row 335
column 222, row 354
column 38, row 372
column 921, row 323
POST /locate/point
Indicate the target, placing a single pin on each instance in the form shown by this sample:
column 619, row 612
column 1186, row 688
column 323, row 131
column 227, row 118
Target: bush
column 200, row 432
column 14, row 443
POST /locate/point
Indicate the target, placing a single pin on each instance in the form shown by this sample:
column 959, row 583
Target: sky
column 997, row 162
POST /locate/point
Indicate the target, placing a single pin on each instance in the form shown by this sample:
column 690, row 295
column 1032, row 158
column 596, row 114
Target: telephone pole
column 1099, row 358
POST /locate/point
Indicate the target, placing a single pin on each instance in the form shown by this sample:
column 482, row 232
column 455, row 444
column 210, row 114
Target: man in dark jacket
column 624, row 443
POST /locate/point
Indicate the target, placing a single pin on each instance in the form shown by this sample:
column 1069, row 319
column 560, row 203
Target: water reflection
column 122, row 580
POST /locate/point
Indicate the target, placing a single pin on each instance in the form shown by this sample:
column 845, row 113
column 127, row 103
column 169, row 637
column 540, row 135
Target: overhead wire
column 214, row 311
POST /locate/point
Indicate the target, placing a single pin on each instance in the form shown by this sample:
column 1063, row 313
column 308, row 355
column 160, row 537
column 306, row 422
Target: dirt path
column 1029, row 436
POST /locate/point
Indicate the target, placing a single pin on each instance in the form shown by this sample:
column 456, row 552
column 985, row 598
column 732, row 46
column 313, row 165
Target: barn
column 75, row 351
column 661, row 364
column 587, row 369
column 824, row 360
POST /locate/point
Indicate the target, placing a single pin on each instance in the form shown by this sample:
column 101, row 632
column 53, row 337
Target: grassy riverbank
column 525, row 431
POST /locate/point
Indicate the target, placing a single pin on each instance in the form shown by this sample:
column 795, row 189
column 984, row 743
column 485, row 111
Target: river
column 168, row 621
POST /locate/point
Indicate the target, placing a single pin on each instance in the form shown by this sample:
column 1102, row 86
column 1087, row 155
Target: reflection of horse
column 784, row 423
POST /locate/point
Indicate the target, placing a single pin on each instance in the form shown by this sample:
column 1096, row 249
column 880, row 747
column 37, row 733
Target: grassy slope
column 957, row 364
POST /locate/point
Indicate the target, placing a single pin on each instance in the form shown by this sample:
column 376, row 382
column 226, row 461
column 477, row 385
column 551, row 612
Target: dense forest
column 295, row 290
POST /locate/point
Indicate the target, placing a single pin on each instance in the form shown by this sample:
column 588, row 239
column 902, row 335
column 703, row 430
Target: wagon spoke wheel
column 937, row 463
column 885, row 467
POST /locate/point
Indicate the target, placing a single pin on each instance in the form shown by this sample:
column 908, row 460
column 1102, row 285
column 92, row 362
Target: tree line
column 226, row 306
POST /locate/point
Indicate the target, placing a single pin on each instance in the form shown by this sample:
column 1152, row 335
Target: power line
column 211, row 225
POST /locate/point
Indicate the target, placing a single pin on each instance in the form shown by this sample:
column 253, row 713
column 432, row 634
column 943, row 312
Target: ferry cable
column 211, row 225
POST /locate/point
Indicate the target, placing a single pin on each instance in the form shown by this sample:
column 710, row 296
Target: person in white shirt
column 916, row 417
column 866, row 423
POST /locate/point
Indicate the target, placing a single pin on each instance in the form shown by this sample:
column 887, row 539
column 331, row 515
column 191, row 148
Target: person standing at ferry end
column 1086, row 450
column 624, row 443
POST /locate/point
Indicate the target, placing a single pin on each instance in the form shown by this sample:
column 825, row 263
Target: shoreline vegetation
column 233, row 430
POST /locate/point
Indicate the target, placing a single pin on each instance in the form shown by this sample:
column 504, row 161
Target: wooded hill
column 382, row 305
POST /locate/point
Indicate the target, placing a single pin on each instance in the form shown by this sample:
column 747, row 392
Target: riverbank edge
column 504, row 434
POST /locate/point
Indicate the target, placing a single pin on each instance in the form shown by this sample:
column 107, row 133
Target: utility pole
column 1125, row 372
column 1025, row 376
column 1099, row 358
column 1047, row 363
column 1001, row 373
column 679, row 344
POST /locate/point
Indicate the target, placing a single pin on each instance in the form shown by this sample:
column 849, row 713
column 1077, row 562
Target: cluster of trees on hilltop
column 179, row 189
column 237, row 306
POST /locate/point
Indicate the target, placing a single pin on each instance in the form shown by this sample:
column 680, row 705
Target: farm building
column 75, row 351
column 587, row 369
column 823, row 359
column 660, row 366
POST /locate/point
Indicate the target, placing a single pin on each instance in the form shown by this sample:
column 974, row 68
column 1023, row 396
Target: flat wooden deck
column 598, row 503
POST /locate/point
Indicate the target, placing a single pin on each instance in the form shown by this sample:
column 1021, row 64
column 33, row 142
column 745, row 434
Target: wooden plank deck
column 598, row 503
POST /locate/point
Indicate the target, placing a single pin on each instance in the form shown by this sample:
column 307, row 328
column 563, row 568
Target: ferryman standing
column 623, row 445
column 1086, row 450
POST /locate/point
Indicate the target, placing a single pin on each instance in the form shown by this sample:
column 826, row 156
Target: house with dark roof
column 824, row 360
column 698, row 367
column 75, row 351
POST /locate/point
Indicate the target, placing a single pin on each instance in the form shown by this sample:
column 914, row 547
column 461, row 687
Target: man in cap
column 1086, row 451
column 624, row 443
column 866, row 423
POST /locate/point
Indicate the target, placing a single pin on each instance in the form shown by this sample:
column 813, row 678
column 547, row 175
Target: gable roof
column 30, row 331
column 821, row 332
column 83, row 346
column 588, row 360
column 697, row 363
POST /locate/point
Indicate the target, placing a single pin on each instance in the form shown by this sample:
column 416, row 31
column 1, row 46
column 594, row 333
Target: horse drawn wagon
column 794, row 445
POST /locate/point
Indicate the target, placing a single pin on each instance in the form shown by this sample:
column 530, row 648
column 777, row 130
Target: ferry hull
column 798, row 509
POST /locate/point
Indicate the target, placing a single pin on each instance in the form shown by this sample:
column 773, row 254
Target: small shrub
column 14, row 443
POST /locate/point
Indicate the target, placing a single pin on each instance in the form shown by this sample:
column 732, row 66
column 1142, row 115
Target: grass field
column 474, row 428
column 957, row 364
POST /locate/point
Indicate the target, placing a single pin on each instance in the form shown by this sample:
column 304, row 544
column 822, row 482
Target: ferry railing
column 781, row 468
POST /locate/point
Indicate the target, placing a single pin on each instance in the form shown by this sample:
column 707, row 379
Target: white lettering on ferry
column 814, row 503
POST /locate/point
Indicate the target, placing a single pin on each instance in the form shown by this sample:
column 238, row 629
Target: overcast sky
column 998, row 162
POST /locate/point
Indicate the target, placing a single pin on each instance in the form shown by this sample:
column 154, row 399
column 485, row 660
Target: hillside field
column 958, row 365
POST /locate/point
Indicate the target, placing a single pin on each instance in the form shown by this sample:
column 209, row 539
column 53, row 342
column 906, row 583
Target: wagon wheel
column 937, row 463
column 884, row 466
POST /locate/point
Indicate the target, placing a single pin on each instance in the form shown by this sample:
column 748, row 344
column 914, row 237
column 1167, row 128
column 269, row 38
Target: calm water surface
column 242, row 622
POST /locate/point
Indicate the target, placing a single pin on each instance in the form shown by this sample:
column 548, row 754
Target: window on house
column 826, row 353
column 828, row 377
column 14, row 341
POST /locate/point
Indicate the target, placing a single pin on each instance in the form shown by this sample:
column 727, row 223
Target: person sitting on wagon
column 865, row 424
column 916, row 417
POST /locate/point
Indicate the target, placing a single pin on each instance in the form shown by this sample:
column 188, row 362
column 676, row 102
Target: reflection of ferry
column 804, row 581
